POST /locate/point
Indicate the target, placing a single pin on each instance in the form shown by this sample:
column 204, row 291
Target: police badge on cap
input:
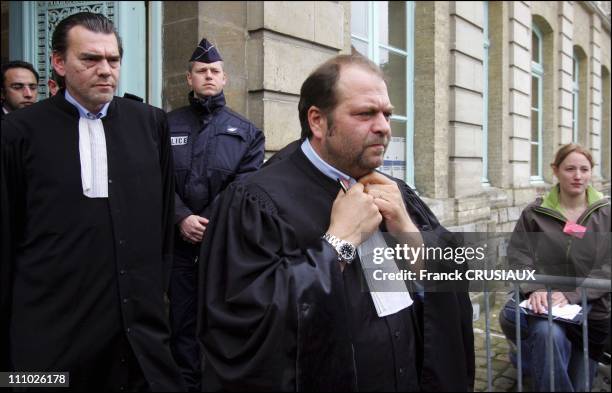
column 206, row 53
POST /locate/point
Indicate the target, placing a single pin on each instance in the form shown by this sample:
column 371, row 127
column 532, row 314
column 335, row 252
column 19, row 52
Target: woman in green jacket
column 566, row 233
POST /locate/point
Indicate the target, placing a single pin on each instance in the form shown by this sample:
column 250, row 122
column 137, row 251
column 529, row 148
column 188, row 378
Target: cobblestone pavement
column 504, row 375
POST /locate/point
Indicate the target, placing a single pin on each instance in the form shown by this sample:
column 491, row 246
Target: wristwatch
column 346, row 250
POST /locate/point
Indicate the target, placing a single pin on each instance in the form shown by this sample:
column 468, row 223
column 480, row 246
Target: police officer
column 212, row 146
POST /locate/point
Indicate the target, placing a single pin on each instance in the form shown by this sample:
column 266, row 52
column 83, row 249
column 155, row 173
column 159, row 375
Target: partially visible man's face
column 360, row 133
column 90, row 67
column 206, row 79
column 20, row 88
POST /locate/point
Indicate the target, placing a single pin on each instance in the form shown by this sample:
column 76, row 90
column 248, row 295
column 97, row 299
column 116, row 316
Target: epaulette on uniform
column 133, row 97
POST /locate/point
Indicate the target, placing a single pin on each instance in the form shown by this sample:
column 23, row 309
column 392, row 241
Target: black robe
column 85, row 274
column 276, row 312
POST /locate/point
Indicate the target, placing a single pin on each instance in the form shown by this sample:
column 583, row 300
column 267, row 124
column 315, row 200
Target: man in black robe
column 90, row 191
column 281, row 301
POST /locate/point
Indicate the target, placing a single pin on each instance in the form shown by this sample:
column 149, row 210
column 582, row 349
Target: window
column 383, row 31
column 485, row 96
column 604, row 151
column 575, row 97
column 537, row 74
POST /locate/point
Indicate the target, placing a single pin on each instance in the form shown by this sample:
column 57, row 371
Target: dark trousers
column 567, row 361
column 183, row 302
column 112, row 370
column 122, row 371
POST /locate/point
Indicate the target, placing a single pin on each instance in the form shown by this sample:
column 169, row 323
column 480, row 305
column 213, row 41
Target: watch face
column 347, row 252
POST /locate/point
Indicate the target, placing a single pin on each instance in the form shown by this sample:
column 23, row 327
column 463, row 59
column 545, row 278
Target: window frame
column 575, row 97
column 374, row 46
column 537, row 71
column 485, row 96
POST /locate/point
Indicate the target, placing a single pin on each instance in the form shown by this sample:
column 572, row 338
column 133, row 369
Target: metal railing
column 548, row 281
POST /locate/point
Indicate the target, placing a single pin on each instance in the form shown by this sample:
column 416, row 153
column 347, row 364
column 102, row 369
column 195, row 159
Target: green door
column 32, row 24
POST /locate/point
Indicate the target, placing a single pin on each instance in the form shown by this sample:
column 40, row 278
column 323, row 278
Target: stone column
column 431, row 82
column 565, row 72
column 519, row 94
column 224, row 24
column 499, row 86
column 595, row 96
column 180, row 20
column 550, row 101
column 465, row 98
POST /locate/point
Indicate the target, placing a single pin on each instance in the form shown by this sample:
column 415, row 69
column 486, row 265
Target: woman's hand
column 539, row 301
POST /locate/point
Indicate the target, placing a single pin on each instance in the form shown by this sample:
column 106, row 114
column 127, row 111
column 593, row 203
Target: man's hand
column 192, row 228
column 354, row 214
column 388, row 198
column 539, row 301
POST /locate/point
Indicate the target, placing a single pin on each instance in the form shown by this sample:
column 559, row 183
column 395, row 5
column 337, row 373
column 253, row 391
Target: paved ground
column 503, row 372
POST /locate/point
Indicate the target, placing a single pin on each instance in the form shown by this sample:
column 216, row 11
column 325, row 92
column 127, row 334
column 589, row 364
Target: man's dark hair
column 320, row 88
column 18, row 64
column 96, row 23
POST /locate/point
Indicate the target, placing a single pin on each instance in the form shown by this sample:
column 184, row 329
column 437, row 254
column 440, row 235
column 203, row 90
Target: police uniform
column 212, row 146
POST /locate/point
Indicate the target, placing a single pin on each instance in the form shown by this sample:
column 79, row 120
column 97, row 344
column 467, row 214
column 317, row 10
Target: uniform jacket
column 212, row 146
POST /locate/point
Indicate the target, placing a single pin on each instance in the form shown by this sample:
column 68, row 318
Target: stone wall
column 180, row 37
column 287, row 40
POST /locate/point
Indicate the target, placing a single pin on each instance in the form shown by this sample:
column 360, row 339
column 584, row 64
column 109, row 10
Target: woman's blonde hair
column 566, row 150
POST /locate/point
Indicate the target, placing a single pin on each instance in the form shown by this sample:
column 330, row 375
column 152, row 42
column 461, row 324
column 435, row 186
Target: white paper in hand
column 568, row 311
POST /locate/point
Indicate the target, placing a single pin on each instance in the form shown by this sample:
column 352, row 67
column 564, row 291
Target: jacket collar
column 551, row 200
column 83, row 112
column 325, row 168
column 60, row 100
column 208, row 105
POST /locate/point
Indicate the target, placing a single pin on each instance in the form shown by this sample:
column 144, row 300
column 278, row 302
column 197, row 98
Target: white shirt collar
column 84, row 112
column 323, row 166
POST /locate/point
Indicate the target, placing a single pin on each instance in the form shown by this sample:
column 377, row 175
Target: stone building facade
column 485, row 91
column 473, row 72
